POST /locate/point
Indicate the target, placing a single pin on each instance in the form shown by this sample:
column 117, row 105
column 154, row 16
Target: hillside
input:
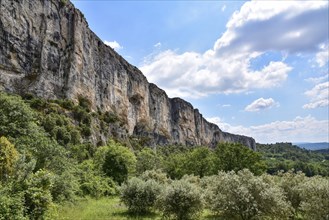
column 50, row 52
column 285, row 156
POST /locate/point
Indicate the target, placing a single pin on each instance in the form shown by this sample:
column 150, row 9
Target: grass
column 106, row 208
column 98, row 209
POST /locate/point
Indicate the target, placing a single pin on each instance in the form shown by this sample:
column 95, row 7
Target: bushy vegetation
column 47, row 157
column 285, row 156
column 138, row 195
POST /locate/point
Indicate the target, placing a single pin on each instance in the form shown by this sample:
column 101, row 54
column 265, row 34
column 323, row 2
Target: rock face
column 47, row 49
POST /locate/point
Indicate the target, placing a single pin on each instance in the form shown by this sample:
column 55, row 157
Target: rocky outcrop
column 47, row 49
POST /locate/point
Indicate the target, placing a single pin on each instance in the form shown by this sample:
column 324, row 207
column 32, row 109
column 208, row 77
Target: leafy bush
column 314, row 194
column 138, row 195
column 181, row 200
column 93, row 183
column 11, row 202
column 116, row 161
column 156, row 175
column 8, row 158
column 37, row 195
column 245, row 196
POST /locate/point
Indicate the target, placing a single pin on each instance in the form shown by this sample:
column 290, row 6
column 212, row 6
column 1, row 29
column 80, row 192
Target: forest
column 49, row 167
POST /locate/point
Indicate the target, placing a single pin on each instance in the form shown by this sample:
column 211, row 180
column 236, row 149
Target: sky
column 255, row 68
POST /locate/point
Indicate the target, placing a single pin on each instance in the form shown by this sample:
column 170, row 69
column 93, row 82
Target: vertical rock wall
column 48, row 49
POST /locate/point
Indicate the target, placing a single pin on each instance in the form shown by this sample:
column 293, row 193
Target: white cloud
column 319, row 96
column 259, row 27
column 226, row 105
column 300, row 129
column 223, row 8
column 197, row 75
column 157, row 45
column 261, row 104
column 322, row 56
column 115, row 45
column 317, row 80
column 291, row 26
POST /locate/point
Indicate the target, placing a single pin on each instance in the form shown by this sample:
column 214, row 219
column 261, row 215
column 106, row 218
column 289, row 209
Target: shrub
column 290, row 182
column 37, row 195
column 11, row 203
column 314, row 195
column 8, row 158
column 181, row 200
column 138, row 195
column 156, row 175
column 93, row 183
column 246, row 196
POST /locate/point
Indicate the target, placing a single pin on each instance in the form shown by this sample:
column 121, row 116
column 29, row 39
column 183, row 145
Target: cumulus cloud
column 261, row 104
column 319, row 96
column 115, row 45
column 300, row 129
column 259, row 27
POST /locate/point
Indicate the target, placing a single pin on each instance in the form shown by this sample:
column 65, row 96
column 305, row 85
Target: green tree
column 147, row 159
column 199, row 162
column 235, row 156
column 116, row 161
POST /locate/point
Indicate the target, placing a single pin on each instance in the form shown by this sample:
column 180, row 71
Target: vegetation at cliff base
column 50, row 165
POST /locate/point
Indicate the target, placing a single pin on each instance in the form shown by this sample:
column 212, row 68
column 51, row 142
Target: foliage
column 147, row 159
column 314, row 195
column 181, row 200
column 117, row 161
column 11, row 202
column 156, row 175
column 138, row 195
column 245, row 196
column 94, row 184
column 234, row 156
column 285, row 156
column 37, row 195
column 199, row 162
column 8, row 158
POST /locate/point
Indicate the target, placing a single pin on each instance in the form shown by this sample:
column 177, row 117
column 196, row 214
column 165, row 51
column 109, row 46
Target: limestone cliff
column 47, row 49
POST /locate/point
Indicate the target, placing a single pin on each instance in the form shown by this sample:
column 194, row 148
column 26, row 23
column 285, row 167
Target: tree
column 235, row 156
column 199, row 162
column 8, row 158
column 116, row 161
column 147, row 159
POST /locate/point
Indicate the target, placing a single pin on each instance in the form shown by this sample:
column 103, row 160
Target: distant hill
column 313, row 146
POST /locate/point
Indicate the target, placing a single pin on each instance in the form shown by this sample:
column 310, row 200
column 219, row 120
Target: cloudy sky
column 256, row 68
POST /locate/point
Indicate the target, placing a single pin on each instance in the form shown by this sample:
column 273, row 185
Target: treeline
column 285, row 156
column 46, row 159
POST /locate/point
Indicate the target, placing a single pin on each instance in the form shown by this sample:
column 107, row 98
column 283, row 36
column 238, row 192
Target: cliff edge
column 47, row 49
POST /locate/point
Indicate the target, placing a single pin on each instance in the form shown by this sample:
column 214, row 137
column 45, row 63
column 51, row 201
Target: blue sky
column 256, row 68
